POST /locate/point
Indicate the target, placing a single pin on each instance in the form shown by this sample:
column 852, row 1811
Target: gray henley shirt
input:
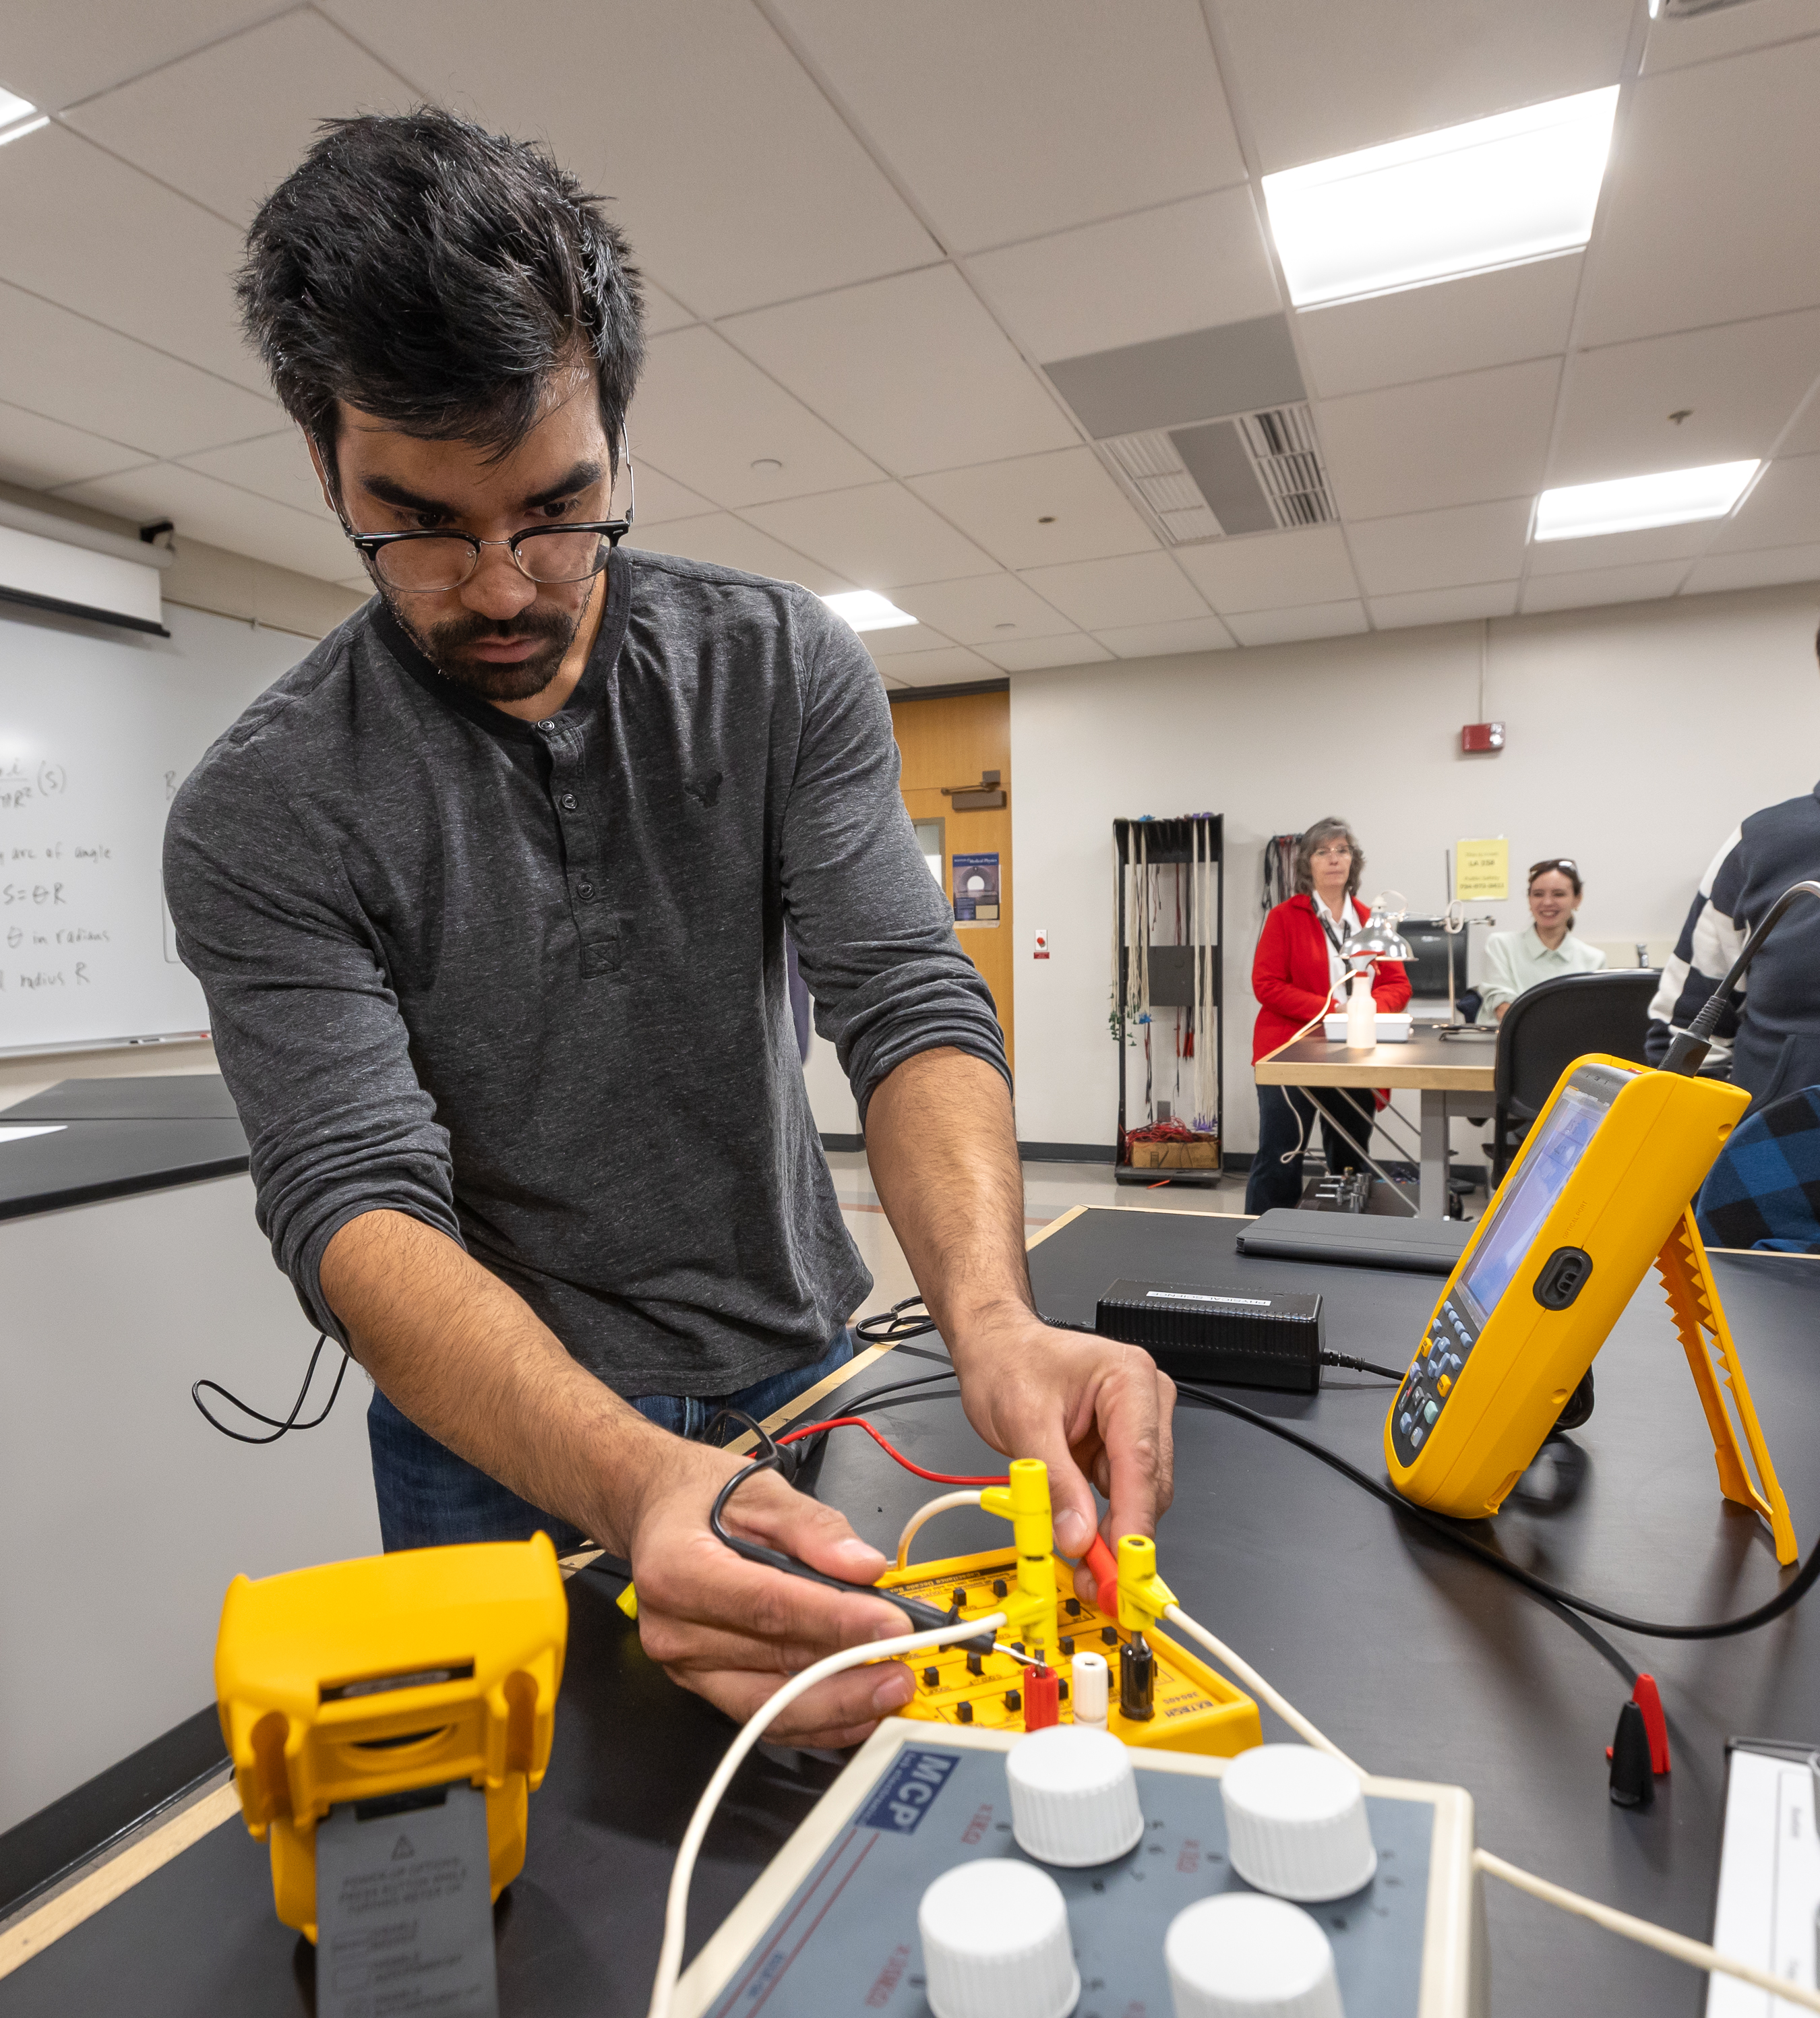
column 525, row 981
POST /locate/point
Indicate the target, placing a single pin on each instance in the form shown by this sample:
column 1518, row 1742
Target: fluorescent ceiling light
column 866, row 609
column 13, row 108
column 19, row 132
column 1634, row 504
column 1489, row 193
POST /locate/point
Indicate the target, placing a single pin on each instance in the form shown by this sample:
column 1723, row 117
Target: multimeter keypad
column 1432, row 1378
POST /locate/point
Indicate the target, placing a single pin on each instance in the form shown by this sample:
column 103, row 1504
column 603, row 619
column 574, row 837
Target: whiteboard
column 97, row 731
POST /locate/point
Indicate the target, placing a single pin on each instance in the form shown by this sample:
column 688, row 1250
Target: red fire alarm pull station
column 1482, row 738
column 1042, row 946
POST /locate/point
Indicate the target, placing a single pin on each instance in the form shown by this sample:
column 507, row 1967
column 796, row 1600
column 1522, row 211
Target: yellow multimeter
column 377, row 1681
column 1591, row 1202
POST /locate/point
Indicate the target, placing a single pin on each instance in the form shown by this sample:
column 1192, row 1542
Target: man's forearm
column 943, row 1150
column 467, row 1359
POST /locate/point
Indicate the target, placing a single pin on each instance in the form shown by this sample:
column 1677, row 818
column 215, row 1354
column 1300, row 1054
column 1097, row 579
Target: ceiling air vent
column 1258, row 472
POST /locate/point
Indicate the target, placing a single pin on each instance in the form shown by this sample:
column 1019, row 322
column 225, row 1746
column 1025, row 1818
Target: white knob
column 1091, row 1690
column 1237, row 1956
column 1074, row 1797
column 1296, row 1824
column 996, row 1944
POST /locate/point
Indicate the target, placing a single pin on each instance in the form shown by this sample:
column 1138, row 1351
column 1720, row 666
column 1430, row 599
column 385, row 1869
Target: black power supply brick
column 1233, row 1338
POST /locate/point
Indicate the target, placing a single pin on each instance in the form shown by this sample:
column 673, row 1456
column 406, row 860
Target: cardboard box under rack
column 1202, row 1154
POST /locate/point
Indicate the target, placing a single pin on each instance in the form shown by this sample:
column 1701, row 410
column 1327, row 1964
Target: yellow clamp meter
column 1600, row 1191
column 355, row 1681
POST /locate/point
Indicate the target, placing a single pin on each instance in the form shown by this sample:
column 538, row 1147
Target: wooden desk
column 1455, row 1080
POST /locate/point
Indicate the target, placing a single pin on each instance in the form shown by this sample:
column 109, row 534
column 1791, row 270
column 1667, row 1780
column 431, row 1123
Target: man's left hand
column 1096, row 1412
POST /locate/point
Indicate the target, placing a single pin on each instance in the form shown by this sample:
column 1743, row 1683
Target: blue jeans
column 429, row 1497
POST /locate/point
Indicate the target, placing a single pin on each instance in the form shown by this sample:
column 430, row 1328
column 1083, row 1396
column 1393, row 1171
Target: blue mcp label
column 908, row 1790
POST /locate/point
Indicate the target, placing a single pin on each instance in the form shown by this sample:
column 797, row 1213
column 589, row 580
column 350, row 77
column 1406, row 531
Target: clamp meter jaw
column 358, row 1682
column 1605, row 1174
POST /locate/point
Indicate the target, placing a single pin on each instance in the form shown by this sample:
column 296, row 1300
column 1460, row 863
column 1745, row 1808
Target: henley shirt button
column 585, row 889
column 548, row 728
column 568, row 802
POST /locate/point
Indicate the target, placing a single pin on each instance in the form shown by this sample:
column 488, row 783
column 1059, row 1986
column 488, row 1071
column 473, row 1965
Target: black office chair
column 1547, row 1028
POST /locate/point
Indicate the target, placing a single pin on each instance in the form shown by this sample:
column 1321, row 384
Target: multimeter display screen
column 1517, row 1216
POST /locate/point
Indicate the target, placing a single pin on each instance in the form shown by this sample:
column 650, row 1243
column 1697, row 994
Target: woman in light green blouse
column 1546, row 947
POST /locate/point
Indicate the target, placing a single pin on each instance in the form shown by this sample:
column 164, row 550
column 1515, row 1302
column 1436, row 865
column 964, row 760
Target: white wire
column 1256, row 1683
column 1697, row 1955
column 676, row 1906
column 927, row 1513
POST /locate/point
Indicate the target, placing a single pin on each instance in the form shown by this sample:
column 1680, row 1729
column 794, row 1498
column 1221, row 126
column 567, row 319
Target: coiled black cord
column 277, row 1428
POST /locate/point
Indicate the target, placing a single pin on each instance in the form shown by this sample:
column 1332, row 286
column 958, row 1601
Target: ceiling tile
column 222, row 515
column 661, row 312
column 1187, row 265
column 1737, row 385
column 57, row 52
column 1645, row 583
column 1432, row 550
column 1004, row 506
column 1782, row 510
column 983, row 609
column 878, row 535
column 1676, row 42
column 1271, row 570
column 707, row 415
column 275, row 466
column 42, row 453
column 1696, row 225
column 149, row 263
column 1611, row 549
column 1321, row 77
column 227, row 125
column 1029, row 116
column 1120, row 589
column 1449, row 441
column 913, row 370
column 903, row 641
column 731, row 543
column 1434, row 332
column 659, row 498
column 62, row 365
column 1758, row 570
column 1444, row 605
column 1238, row 368
column 951, row 666
column 1030, row 655
column 1804, row 437
column 735, row 177
column 1311, row 620
column 1160, row 641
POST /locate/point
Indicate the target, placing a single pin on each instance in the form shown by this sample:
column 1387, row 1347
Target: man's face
column 500, row 633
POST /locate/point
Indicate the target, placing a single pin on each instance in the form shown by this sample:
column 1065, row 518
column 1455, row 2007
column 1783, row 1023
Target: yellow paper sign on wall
column 1484, row 869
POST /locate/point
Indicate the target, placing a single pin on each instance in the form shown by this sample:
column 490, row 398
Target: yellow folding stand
column 1699, row 1317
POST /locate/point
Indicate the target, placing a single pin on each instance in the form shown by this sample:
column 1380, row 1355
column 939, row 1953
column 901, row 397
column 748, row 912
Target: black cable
column 1361, row 1365
column 1785, row 1599
column 1687, row 1052
column 892, row 1326
column 290, row 1421
column 925, row 1617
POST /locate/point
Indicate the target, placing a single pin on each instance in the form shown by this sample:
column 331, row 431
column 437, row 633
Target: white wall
column 1638, row 737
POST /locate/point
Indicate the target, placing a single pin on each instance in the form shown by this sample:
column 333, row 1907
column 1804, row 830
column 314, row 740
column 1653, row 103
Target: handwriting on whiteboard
column 46, row 884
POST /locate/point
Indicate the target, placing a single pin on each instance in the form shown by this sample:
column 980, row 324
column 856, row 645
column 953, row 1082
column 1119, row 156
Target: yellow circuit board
column 1194, row 1709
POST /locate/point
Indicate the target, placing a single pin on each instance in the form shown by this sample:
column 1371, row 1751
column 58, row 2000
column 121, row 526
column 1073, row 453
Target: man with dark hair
column 489, row 898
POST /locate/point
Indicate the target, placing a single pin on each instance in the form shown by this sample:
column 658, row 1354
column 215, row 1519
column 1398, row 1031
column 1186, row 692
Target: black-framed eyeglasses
column 427, row 562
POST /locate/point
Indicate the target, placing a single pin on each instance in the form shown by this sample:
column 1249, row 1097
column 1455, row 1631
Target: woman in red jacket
column 1296, row 974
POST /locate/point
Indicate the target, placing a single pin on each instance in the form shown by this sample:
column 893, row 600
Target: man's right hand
column 732, row 1630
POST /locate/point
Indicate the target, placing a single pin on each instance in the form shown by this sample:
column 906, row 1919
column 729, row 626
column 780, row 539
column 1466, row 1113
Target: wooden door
column 950, row 739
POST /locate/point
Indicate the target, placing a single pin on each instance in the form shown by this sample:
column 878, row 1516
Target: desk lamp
column 1377, row 938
